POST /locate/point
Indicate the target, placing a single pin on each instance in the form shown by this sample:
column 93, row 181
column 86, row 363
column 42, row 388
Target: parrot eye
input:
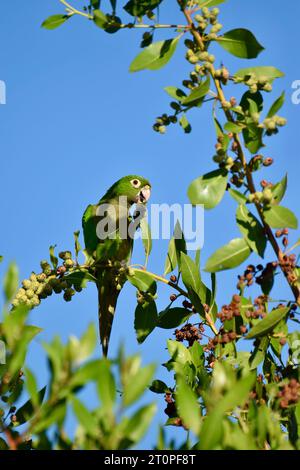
column 135, row 183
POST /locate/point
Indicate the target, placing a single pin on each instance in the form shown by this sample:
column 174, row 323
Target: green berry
column 29, row 293
column 69, row 263
column 41, row 277
column 226, row 105
column 65, row 255
column 280, row 121
column 57, row 289
column 229, row 163
column 211, row 58
column 15, row 302
column 255, row 117
column 211, row 36
column 267, row 195
column 33, row 277
column 162, row 129
column 253, row 89
column 193, row 59
column 216, row 28
column 215, row 11
column 35, row 301
column 268, row 87
column 204, row 55
column 199, row 18
column 35, row 286
column 20, row 293
column 205, row 12
column 26, row 284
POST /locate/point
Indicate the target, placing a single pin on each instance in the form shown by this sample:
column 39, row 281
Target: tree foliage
column 223, row 395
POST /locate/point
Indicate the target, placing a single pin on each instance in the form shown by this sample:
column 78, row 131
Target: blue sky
column 76, row 120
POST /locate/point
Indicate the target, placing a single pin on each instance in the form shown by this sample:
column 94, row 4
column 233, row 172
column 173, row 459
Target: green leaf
column 56, row 415
column 53, row 258
column 26, row 411
column 237, row 196
column 145, row 320
column 252, row 230
column 55, row 21
column 137, row 386
column 241, row 43
column 31, row 387
column 173, row 317
column 197, row 355
column 178, row 352
column 268, row 72
column 86, row 373
column 3, row 444
column 197, row 93
column 155, row 56
column 171, row 260
column 187, row 406
column 229, row 256
column 80, row 278
column 279, row 190
column 280, row 217
column 11, row 281
column 143, row 281
column 253, row 138
column 210, row 3
column 198, row 292
column 259, row 353
column 146, row 236
column 87, row 420
column 268, row 323
column 211, row 431
column 276, row 106
column 184, row 123
column 100, row 19
column 177, row 246
column 175, row 93
column 138, row 424
column 158, row 386
column 82, row 348
column 106, row 387
column 208, row 189
column 1, row 259
column 234, row 127
column 77, row 244
column 140, row 7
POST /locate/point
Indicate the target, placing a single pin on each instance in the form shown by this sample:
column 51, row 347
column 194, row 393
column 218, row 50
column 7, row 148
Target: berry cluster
column 271, row 124
column 42, row 285
column 288, row 263
column 255, row 83
column 289, row 394
column 224, row 337
column 170, row 410
column 209, row 18
column 189, row 333
column 230, row 311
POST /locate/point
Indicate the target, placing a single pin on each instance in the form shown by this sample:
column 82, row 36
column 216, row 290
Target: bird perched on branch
column 108, row 233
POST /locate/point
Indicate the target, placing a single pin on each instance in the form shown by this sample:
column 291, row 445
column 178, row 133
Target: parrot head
column 136, row 188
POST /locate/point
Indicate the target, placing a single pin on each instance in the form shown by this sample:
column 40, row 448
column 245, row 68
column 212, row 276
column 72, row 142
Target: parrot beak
column 144, row 194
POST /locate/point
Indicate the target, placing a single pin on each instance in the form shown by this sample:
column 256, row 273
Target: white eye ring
column 135, row 183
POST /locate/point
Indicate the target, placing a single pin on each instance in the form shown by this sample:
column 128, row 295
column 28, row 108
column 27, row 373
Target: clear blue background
column 76, row 120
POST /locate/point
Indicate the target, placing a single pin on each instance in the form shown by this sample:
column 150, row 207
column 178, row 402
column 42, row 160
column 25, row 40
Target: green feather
column 105, row 253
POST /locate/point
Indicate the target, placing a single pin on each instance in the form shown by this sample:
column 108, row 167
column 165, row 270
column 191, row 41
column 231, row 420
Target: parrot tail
column 107, row 301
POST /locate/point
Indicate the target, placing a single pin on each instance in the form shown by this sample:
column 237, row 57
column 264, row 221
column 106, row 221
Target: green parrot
column 107, row 229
